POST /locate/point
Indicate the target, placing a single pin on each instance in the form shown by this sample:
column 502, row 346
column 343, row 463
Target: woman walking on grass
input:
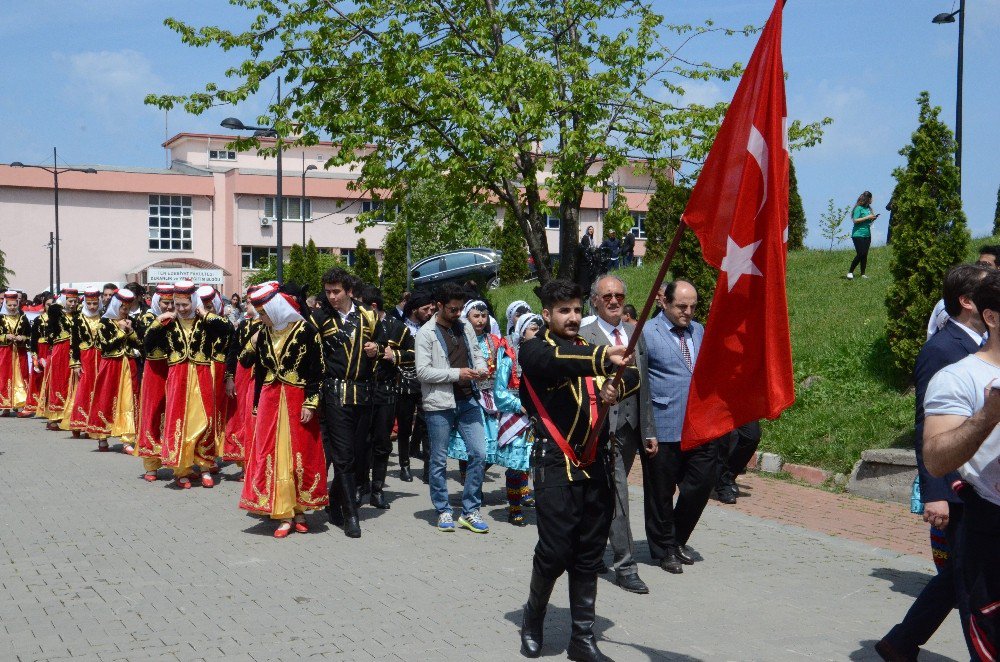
column 861, row 234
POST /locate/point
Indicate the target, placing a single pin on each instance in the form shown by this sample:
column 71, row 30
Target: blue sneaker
column 445, row 522
column 474, row 522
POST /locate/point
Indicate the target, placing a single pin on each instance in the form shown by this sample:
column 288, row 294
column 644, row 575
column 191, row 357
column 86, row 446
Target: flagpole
column 603, row 408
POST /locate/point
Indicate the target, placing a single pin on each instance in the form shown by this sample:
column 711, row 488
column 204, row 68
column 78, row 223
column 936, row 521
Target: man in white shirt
column 988, row 256
column 962, row 409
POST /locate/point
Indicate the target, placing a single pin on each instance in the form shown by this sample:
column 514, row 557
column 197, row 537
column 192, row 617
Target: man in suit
column 961, row 335
column 607, row 299
column 672, row 343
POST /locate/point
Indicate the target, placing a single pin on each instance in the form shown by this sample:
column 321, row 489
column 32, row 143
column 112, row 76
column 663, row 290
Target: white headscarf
column 203, row 293
column 121, row 298
column 154, row 304
column 86, row 312
column 522, row 325
column 474, row 303
column 511, row 310
column 4, row 310
column 180, row 290
column 281, row 311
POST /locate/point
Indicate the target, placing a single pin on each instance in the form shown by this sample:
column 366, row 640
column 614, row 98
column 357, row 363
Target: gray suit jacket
column 667, row 379
column 627, row 411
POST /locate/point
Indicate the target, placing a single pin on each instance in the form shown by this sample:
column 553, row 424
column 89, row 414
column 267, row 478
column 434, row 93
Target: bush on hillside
column 929, row 233
column 507, row 238
column 365, row 264
column 796, row 213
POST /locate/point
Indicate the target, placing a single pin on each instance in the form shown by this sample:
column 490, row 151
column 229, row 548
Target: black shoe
column 335, row 515
column 377, row 498
column 671, row 564
column 632, row 583
column 888, row 652
column 427, row 474
column 352, row 529
column 405, row 475
column 603, row 569
column 684, row 555
column 726, row 495
column 582, row 608
column 533, row 617
column 358, row 495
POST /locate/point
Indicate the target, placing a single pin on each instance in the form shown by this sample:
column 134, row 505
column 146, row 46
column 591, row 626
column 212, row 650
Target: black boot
column 352, row 528
column 334, row 510
column 582, row 600
column 377, row 498
column 533, row 618
column 404, row 473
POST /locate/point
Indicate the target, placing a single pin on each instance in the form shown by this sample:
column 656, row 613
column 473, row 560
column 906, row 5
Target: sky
column 75, row 74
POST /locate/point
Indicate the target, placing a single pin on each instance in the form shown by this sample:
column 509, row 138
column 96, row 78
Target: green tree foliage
column 469, row 91
column 394, row 268
column 665, row 208
column 507, row 239
column 831, row 223
column 295, row 269
column 618, row 217
column 797, row 228
column 996, row 216
column 365, row 264
column 929, row 233
column 5, row 273
column 302, row 268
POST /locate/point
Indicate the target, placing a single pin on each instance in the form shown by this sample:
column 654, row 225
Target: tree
column 507, row 239
column 5, row 273
column 295, row 271
column 797, row 228
column 307, row 267
column 929, row 233
column 527, row 104
column 831, row 223
column 996, row 216
column 665, row 208
column 618, row 217
column 365, row 264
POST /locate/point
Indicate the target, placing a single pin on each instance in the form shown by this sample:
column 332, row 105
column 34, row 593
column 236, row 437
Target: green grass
column 853, row 401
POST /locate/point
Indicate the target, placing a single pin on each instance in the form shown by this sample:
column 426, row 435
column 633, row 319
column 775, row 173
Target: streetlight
column 302, row 201
column 950, row 18
column 55, row 170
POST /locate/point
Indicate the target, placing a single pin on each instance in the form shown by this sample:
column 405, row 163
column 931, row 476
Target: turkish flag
column 739, row 211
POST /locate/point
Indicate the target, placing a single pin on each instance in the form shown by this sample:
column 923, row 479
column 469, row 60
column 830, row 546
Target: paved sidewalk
column 95, row 564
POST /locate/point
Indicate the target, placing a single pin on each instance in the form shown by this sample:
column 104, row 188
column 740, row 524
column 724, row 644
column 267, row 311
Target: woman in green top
column 862, row 233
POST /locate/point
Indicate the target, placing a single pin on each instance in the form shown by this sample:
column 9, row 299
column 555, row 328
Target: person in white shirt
column 988, row 256
column 962, row 409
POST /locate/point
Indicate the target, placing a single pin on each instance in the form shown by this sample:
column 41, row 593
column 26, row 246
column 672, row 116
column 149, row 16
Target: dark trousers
column 573, row 524
column 693, row 474
column 383, row 416
column 942, row 593
column 861, row 246
column 979, row 549
column 345, row 439
column 411, row 431
column 735, row 452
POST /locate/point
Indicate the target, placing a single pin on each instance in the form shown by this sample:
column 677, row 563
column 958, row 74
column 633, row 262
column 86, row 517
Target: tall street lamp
column 56, row 171
column 950, row 18
column 302, row 201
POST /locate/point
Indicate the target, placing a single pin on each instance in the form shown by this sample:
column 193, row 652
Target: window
column 290, row 208
column 348, row 255
column 459, row 260
column 639, row 224
column 369, row 206
column 255, row 257
column 552, row 220
column 428, row 268
column 221, row 155
column 170, row 223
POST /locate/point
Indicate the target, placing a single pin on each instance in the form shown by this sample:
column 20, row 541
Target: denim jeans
column 468, row 418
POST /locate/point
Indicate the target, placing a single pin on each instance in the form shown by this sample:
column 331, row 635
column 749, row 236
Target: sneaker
column 850, row 276
column 445, row 522
column 473, row 522
column 864, row 276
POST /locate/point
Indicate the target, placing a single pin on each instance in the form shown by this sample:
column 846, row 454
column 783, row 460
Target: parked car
column 481, row 265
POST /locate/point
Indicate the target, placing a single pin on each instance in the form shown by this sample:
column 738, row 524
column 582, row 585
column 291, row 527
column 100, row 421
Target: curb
column 772, row 463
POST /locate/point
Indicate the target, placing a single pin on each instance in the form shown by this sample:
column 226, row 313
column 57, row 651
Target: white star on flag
column 739, row 261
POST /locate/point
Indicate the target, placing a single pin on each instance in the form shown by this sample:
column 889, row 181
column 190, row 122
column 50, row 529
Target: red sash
column 589, row 452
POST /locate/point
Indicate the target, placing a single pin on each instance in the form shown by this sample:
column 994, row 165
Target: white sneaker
column 864, row 276
column 850, row 276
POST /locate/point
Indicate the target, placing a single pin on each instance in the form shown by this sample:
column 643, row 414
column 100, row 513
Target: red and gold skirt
column 58, row 396
column 286, row 469
column 239, row 427
column 224, row 405
column 35, row 400
column 83, row 392
column 152, row 407
column 13, row 377
column 113, row 411
column 188, row 432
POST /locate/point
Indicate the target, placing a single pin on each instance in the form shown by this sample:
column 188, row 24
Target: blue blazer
column 668, row 379
column 949, row 345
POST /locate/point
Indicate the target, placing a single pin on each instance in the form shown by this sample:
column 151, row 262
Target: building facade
column 211, row 211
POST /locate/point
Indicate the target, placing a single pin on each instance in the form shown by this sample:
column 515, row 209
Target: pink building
column 211, row 212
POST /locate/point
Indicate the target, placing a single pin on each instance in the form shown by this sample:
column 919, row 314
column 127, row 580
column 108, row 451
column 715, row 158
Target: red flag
column 739, row 211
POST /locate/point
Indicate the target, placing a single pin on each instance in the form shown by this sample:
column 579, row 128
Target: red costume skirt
column 58, row 395
column 152, row 407
column 36, row 379
column 224, row 405
column 286, row 470
column 188, row 432
column 83, row 397
column 113, row 411
column 239, row 427
column 13, row 377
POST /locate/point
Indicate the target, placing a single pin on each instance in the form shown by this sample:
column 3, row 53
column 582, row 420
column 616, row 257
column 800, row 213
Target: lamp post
column 950, row 18
column 302, row 202
column 56, row 171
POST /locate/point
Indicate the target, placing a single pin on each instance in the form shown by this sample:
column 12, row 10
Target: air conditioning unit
column 266, row 221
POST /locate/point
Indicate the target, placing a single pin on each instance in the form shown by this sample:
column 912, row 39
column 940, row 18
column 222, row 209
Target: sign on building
column 156, row 275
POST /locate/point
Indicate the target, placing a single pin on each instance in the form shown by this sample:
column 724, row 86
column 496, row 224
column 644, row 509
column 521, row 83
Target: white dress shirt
column 609, row 331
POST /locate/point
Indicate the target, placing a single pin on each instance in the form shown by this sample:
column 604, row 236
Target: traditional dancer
column 240, row 387
column 62, row 317
column 514, row 436
column 85, row 361
column 116, row 391
column 185, row 336
column 212, row 303
column 153, row 397
column 286, row 472
column 15, row 333
column 39, row 349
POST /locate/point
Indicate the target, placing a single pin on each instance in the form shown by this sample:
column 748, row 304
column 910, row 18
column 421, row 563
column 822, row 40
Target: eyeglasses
column 617, row 296
column 453, row 309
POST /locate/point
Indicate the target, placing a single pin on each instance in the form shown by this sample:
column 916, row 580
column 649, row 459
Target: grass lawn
column 846, row 397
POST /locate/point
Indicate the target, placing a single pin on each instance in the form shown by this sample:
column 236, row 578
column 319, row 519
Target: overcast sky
column 75, row 73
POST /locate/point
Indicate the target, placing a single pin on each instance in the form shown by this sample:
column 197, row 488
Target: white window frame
column 368, row 206
column 552, row 220
column 221, row 155
column 289, row 204
column 247, row 251
column 176, row 219
column 638, row 228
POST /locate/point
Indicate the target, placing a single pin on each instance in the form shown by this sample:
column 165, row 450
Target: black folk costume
column 560, row 387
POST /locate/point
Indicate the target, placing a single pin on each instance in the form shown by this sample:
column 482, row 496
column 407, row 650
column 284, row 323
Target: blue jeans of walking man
column 468, row 418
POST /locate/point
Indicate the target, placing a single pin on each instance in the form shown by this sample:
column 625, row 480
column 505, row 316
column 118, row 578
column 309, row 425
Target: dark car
column 481, row 265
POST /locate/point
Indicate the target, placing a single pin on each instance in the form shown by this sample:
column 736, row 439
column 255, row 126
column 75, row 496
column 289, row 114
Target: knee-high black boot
column 582, row 608
column 533, row 618
column 334, row 511
column 352, row 528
